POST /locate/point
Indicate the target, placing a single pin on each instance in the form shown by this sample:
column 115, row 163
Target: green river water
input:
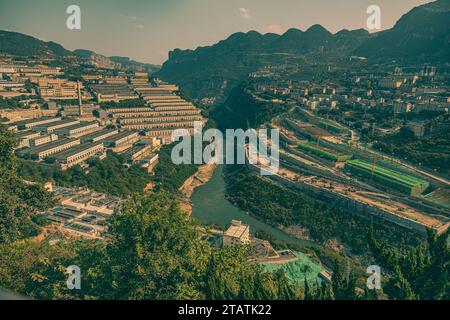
column 211, row 207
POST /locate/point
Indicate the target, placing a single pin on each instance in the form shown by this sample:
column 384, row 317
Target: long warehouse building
column 395, row 180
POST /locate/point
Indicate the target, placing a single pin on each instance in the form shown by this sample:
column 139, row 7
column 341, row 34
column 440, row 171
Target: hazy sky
column 146, row 30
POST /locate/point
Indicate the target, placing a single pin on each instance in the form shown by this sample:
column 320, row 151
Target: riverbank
column 200, row 178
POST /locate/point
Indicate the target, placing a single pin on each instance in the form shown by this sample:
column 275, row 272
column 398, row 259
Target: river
column 211, row 207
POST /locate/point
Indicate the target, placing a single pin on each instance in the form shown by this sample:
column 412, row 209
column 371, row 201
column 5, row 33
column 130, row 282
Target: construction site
column 328, row 168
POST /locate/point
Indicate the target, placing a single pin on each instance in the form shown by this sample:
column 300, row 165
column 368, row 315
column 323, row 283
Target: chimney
column 80, row 101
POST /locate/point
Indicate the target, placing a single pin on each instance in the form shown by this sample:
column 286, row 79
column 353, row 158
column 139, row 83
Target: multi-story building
column 78, row 130
column 29, row 124
column 116, row 80
column 161, row 97
column 164, row 135
column 237, row 233
column 50, row 127
column 129, row 110
column 79, row 154
column 159, row 119
column 113, row 92
column 167, row 107
column 137, row 152
column 390, row 82
column 38, row 141
column 25, row 137
column 20, row 115
column 99, row 135
column 43, row 151
column 43, row 70
column 158, row 125
column 122, row 139
column 153, row 113
column 10, row 84
column 57, row 89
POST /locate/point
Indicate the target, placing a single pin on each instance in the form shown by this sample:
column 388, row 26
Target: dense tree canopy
column 109, row 175
column 155, row 253
column 18, row 200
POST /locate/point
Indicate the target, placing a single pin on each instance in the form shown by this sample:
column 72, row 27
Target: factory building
column 123, row 115
column 25, row 137
column 99, row 135
column 78, row 130
column 29, row 124
column 47, row 138
column 391, row 179
column 122, row 139
column 43, row 151
column 50, row 127
column 81, row 153
column 158, row 125
column 161, row 120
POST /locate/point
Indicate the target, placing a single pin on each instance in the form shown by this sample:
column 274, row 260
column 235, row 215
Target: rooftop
column 99, row 133
column 237, row 229
column 50, row 145
column 72, row 151
column 80, row 125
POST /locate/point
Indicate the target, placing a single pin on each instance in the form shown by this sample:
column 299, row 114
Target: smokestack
column 80, row 101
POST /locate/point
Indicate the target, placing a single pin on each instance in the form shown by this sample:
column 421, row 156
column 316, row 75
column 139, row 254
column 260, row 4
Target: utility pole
column 374, row 161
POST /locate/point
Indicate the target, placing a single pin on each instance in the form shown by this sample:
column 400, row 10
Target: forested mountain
column 216, row 69
column 24, row 45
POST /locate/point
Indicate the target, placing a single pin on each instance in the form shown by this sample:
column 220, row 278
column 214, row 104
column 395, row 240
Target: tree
column 156, row 252
column 18, row 200
column 421, row 272
column 344, row 283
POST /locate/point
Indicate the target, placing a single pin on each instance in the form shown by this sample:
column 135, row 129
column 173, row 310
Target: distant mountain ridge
column 207, row 70
column 24, row 45
column 421, row 35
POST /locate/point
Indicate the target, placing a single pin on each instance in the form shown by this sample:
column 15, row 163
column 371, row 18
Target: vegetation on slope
column 155, row 253
column 18, row 201
column 278, row 205
column 242, row 110
column 109, row 175
column 432, row 152
column 24, row 45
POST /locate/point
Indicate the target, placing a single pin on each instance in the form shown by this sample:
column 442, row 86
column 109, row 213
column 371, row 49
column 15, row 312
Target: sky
column 146, row 30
